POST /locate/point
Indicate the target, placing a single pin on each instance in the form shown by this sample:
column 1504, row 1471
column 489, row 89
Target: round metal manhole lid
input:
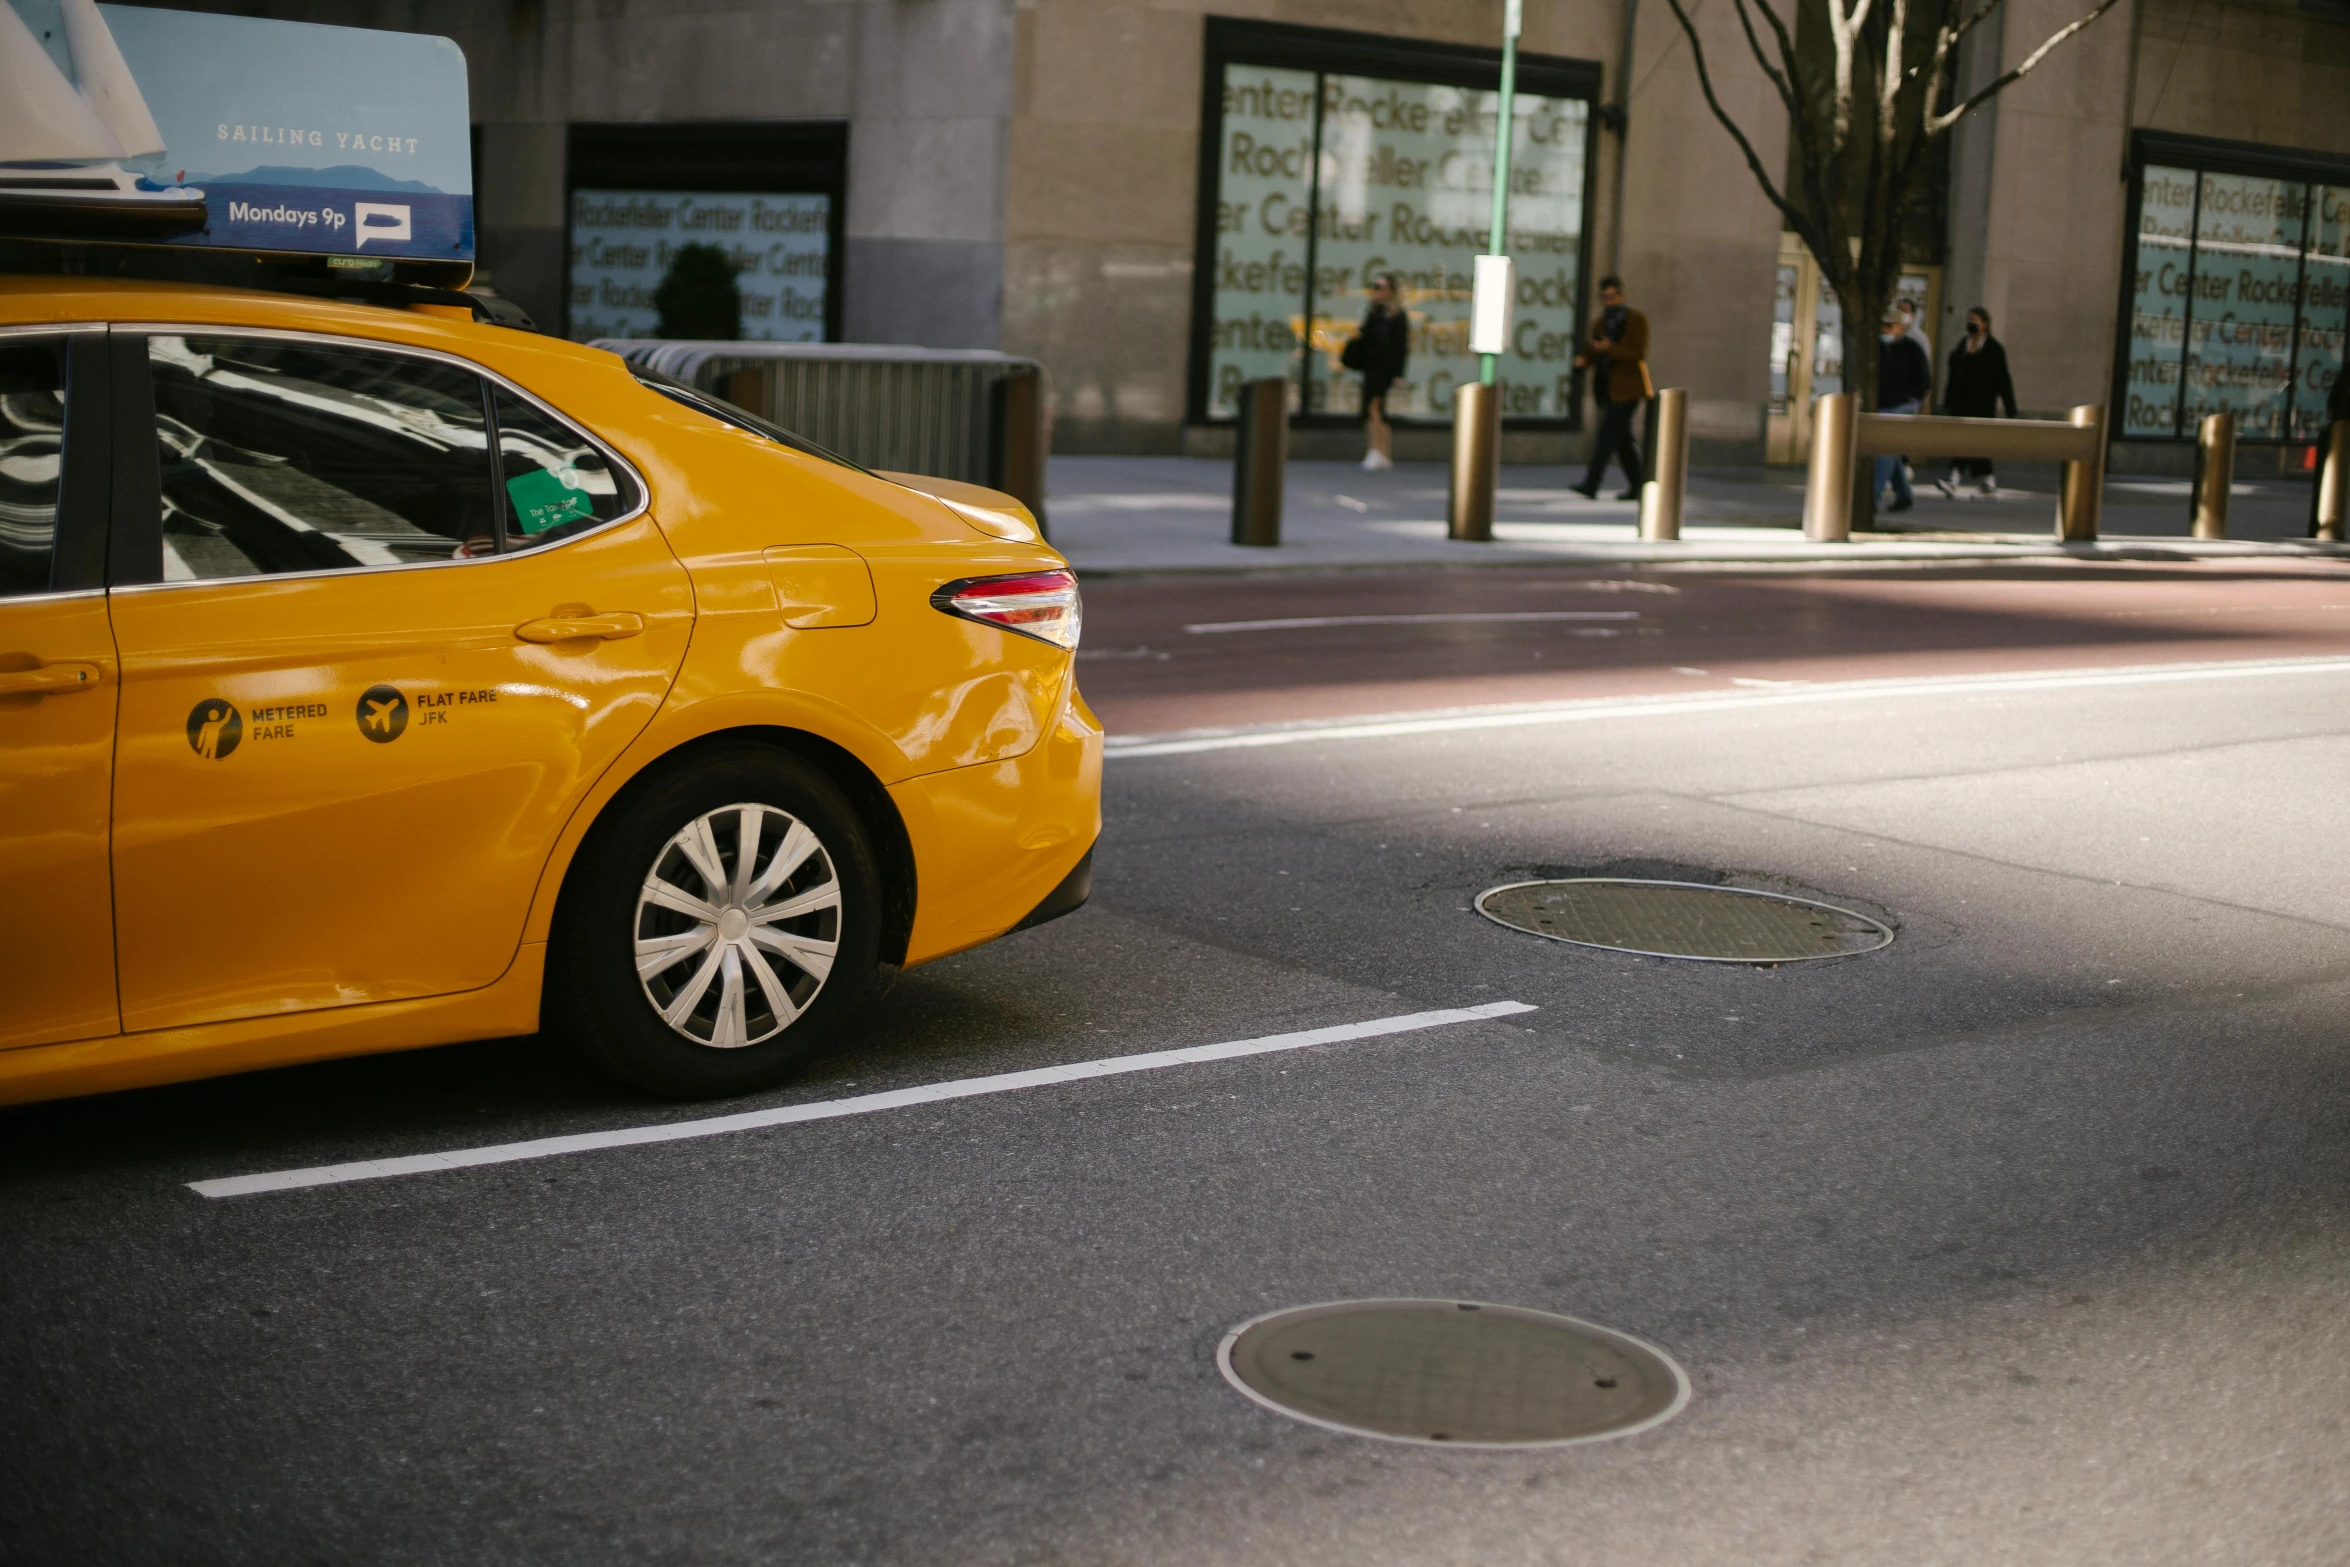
column 1454, row 1373
column 1678, row 919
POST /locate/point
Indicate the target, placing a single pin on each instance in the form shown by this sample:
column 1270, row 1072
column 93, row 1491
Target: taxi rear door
column 383, row 621
column 57, row 690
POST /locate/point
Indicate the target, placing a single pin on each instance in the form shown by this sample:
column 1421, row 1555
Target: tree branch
column 1788, row 57
column 1938, row 123
column 1890, row 79
column 1705, row 81
column 1786, row 93
column 1958, row 33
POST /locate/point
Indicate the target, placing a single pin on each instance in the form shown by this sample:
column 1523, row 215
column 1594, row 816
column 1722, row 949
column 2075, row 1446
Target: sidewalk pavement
column 1150, row 514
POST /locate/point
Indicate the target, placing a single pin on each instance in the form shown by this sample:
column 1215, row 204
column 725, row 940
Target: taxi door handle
column 49, row 680
column 572, row 628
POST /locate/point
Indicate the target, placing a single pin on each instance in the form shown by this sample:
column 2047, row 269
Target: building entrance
column 1807, row 343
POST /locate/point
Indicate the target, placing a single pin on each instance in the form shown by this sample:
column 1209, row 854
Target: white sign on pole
column 1489, row 310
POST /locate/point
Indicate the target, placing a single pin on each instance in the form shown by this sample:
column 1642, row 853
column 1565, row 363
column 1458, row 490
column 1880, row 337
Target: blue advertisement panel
column 239, row 132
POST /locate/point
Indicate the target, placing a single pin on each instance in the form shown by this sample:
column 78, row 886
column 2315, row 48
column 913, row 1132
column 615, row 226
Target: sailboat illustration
column 63, row 143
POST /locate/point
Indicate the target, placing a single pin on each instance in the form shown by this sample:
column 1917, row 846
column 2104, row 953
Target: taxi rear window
column 741, row 418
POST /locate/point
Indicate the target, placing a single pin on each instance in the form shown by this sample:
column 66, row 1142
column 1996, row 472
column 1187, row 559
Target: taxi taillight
column 1039, row 604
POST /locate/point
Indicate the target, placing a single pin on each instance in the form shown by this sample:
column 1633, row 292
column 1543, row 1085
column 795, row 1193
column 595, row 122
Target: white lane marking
column 1304, row 621
column 1519, row 715
column 832, row 1109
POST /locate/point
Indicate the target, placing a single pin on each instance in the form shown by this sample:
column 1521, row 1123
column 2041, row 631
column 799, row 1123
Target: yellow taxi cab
column 373, row 677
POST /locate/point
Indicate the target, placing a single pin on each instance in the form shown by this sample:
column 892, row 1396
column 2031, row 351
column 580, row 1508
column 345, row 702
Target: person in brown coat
column 1618, row 350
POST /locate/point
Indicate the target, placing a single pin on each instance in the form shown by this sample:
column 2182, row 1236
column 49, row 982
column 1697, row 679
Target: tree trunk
column 1861, row 317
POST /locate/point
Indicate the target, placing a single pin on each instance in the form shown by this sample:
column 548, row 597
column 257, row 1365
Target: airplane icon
column 379, row 714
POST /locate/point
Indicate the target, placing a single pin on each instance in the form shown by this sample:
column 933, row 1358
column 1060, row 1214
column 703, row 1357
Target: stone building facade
column 1097, row 183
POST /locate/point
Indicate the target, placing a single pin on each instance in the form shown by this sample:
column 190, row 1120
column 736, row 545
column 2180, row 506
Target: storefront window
column 1827, row 352
column 1782, row 336
column 2158, row 304
column 2247, row 276
column 622, row 242
column 1264, row 213
column 2325, row 302
column 769, row 195
column 1324, row 179
column 2236, row 305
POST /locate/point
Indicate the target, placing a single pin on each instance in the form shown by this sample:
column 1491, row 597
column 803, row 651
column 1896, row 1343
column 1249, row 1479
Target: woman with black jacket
column 1379, row 349
column 1976, row 386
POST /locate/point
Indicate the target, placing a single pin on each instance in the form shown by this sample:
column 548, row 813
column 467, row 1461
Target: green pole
column 1497, row 243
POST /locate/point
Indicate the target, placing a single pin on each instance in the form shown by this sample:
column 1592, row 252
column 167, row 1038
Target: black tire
column 595, row 997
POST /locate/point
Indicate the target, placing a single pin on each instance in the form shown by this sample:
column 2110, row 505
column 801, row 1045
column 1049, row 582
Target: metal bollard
column 1668, row 460
column 2215, row 474
column 2084, row 480
column 2333, row 483
column 1827, row 491
column 1260, row 462
column 748, row 389
column 1476, row 463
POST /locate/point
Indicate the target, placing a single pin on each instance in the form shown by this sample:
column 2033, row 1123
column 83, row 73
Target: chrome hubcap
column 737, row 925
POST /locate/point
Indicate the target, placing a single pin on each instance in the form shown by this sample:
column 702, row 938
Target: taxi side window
column 282, row 456
column 554, row 482
column 32, row 447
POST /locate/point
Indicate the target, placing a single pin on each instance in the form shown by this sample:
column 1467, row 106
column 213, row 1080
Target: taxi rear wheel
column 719, row 926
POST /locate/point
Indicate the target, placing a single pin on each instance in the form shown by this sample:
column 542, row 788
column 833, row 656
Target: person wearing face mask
column 1904, row 377
column 1977, row 385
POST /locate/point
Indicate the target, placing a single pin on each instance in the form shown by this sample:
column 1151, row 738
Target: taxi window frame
column 137, row 512
column 77, row 549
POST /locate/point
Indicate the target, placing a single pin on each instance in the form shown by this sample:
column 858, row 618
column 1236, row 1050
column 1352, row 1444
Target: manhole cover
column 1452, row 1372
column 1680, row 919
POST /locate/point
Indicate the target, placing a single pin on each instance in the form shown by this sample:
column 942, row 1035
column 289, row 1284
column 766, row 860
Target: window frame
column 77, row 550
column 2198, row 156
column 732, row 157
column 137, row 519
column 1330, row 51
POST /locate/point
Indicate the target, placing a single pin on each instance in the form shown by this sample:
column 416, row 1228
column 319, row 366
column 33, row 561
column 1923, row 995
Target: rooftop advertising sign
column 191, row 129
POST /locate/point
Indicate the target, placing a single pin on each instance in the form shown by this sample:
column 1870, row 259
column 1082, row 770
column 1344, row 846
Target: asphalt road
column 2022, row 1240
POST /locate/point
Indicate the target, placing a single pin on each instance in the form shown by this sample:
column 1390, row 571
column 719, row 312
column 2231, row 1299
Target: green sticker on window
column 543, row 500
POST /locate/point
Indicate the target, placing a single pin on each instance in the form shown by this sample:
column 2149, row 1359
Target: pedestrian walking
column 1378, row 351
column 2337, row 410
column 1977, row 385
column 1618, row 353
column 1913, row 328
column 1904, row 375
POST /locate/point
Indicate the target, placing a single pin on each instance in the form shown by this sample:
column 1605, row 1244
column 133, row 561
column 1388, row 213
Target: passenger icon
column 214, row 728
column 383, row 714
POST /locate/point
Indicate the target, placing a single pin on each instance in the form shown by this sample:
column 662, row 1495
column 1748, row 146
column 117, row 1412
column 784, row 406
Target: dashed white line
column 833, row 1109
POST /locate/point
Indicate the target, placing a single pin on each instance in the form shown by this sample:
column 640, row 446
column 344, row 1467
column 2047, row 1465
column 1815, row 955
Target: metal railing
column 1842, row 436
column 949, row 413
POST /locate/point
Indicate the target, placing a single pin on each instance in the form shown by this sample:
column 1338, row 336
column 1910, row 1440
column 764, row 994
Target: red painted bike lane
column 1168, row 653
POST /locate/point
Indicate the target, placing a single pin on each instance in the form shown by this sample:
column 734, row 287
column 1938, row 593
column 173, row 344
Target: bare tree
column 1861, row 115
